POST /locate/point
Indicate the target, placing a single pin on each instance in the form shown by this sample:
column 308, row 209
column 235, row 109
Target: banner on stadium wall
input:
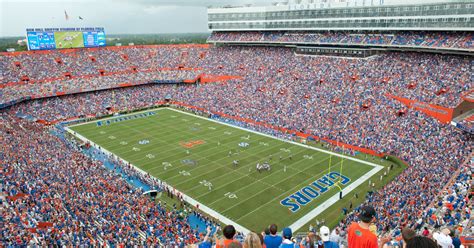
column 467, row 240
column 442, row 114
column 355, row 148
column 206, row 78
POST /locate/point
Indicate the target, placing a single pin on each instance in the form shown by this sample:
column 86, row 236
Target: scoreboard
column 94, row 38
column 40, row 40
column 58, row 38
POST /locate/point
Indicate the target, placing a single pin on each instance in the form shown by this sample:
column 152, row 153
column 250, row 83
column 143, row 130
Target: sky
column 116, row 16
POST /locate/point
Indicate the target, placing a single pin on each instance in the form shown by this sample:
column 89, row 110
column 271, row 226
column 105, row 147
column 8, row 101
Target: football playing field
column 215, row 166
column 68, row 39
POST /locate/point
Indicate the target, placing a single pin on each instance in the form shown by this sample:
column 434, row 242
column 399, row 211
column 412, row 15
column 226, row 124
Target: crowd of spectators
column 335, row 98
column 73, row 200
column 94, row 83
column 47, row 73
column 459, row 40
column 359, row 234
column 44, row 65
column 441, row 82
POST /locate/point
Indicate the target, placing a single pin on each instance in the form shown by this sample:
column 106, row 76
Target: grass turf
column 153, row 142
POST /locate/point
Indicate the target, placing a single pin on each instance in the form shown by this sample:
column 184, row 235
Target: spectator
column 421, row 242
column 456, row 239
column 359, row 234
column 311, row 241
column 443, row 238
column 207, row 241
column 336, row 236
column 252, row 240
column 260, row 236
column 425, row 232
column 287, row 239
column 407, row 234
column 324, row 233
column 272, row 240
column 229, row 234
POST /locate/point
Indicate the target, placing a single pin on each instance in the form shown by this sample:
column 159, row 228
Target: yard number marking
column 230, row 195
column 150, row 156
column 166, row 165
column 206, row 183
column 184, row 173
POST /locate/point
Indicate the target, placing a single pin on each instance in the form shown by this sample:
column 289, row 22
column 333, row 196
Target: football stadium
column 305, row 123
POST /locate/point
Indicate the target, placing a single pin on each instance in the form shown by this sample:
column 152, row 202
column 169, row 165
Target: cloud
column 159, row 9
column 49, row 1
column 116, row 16
column 201, row 3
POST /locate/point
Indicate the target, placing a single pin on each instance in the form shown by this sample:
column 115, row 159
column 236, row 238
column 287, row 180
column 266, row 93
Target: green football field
column 196, row 156
column 68, row 39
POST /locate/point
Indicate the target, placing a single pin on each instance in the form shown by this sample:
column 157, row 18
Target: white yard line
column 297, row 224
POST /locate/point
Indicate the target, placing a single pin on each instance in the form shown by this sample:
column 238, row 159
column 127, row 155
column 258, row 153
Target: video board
column 59, row 38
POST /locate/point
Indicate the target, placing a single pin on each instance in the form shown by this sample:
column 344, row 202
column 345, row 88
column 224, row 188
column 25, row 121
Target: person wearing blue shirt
column 207, row 242
column 272, row 240
column 287, row 239
column 456, row 240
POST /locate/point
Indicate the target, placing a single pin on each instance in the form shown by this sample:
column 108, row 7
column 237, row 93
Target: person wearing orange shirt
column 359, row 234
column 229, row 234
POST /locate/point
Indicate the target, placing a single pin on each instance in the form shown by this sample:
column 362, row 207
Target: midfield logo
column 192, row 143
